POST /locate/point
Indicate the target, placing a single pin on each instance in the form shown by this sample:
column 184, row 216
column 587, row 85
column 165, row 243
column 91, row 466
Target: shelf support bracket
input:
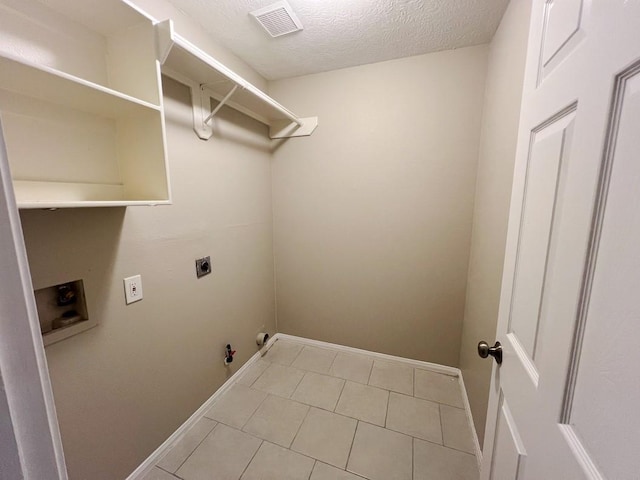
column 220, row 104
column 302, row 127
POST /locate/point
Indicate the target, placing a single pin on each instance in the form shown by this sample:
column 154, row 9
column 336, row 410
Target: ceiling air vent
column 277, row 19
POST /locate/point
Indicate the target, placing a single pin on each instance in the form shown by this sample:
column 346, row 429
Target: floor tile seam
column 417, row 398
column 353, row 440
column 256, row 379
column 413, row 458
column 286, row 366
column 298, row 354
column 413, row 381
column 299, row 453
column 352, row 473
column 268, row 394
column 292, row 450
column 250, row 416
column 312, row 469
column 272, row 393
column 458, row 450
column 394, row 431
column 297, row 384
column 332, row 364
column 373, row 386
column 399, row 433
column 197, row 446
column 438, row 401
column 330, row 374
column 386, row 410
column 452, row 406
column 446, row 446
column 388, row 389
column 441, row 423
column 344, row 384
column 429, row 370
column 371, row 371
column 322, row 375
column 315, row 406
column 323, row 461
column 166, row 471
column 251, row 460
column 358, row 419
column 350, row 380
column 281, row 397
column 299, row 427
column 413, row 436
column 242, row 430
column 335, row 354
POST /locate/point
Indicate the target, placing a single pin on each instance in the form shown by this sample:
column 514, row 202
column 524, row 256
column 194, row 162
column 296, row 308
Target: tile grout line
column 192, row 451
column 167, row 471
column 252, row 456
column 304, row 372
column 256, row 379
column 386, row 411
column 299, row 426
column 441, row 426
column 344, row 383
column 373, row 364
column 440, row 445
column 413, row 458
column 296, row 357
column 334, row 361
column 254, row 412
column 414, row 383
column 298, row 385
column 353, row 440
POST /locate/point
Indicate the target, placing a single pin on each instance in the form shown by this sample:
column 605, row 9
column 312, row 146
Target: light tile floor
column 310, row 413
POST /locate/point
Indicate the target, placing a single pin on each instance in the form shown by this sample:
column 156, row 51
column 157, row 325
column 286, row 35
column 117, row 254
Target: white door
column 565, row 403
column 30, row 445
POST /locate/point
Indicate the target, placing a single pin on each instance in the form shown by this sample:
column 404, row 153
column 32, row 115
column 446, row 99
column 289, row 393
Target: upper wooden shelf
column 81, row 104
column 188, row 64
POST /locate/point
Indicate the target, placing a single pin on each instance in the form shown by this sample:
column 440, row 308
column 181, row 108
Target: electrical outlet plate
column 203, row 266
column 133, row 289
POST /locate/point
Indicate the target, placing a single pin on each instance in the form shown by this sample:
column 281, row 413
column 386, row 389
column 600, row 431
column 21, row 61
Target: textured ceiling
column 345, row 33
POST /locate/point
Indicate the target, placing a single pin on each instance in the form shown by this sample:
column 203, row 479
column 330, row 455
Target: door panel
column 508, row 453
column 562, row 32
column 549, row 146
column 606, row 386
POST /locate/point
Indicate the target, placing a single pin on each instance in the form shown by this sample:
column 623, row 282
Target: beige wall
column 493, row 191
column 372, row 213
column 123, row 387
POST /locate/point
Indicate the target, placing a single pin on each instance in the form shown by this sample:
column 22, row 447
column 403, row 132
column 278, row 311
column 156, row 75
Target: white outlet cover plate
column 133, row 289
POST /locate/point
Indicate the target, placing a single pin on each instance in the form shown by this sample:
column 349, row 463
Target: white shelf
column 49, row 85
column 81, row 104
column 187, row 63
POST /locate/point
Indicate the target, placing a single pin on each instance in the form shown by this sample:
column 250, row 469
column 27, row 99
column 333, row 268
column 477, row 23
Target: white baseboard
column 155, row 457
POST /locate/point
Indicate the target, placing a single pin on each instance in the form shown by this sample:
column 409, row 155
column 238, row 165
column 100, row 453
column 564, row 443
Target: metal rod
column 221, row 104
